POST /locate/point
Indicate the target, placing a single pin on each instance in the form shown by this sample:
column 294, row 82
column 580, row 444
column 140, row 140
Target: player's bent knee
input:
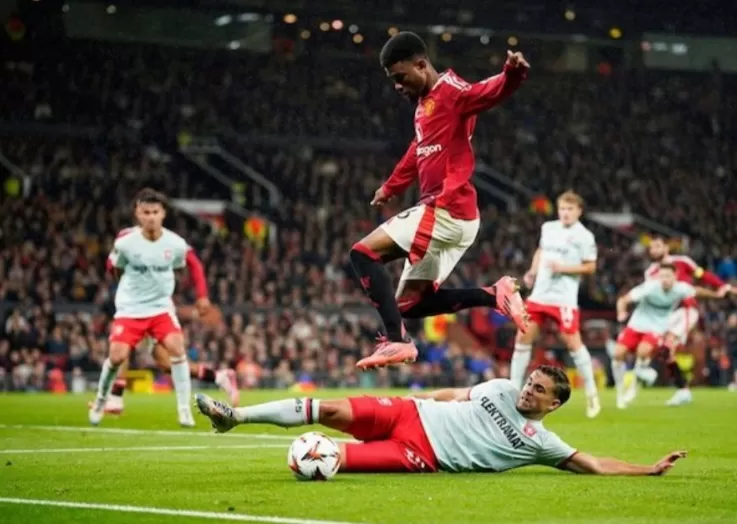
column 161, row 357
column 620, row 352
column 174, row 344
column 644, row 350
column 336, row 414
column 119, row 352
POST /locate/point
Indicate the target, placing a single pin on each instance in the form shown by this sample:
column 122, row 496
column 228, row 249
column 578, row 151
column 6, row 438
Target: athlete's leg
column 368, row 257
column 523, row 350
column 683, row 394
column 645, row 351
column 166, row 330
column 582, row 359
column 224, row 378
column 619, row 366
column 125, row 334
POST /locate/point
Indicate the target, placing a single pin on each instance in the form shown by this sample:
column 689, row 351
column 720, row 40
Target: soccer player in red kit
column 685, row 318
column 433, row 235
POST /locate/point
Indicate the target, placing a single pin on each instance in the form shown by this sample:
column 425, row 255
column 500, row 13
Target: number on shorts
column 405, row 214
column 566, row 316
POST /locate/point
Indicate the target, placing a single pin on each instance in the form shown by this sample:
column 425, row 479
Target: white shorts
column 682, row 321
column 434, row 240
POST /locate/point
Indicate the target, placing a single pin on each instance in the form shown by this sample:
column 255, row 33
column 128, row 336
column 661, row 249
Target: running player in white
column 491, row 427
column 147, row 256
column 567, row 250
column 656, row 300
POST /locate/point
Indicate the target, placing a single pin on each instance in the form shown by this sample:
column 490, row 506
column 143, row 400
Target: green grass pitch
column 243, row 475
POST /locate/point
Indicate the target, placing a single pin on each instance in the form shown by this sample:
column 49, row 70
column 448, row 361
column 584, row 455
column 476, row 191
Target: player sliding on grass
column 432, row 236
column 490, row 427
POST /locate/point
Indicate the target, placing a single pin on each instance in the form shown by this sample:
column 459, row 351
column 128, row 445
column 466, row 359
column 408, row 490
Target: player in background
column 685, row 318
column 567, row 250
column 433, row 235
column 656, row 300
column 225, row 379
column 491, row 427
column 147, row 256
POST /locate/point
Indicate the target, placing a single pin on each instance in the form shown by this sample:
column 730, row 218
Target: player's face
column 668, row 278
column 658, row 249
column 150, row 215
column 568, row 212
column 409, row 78
column 537, row 397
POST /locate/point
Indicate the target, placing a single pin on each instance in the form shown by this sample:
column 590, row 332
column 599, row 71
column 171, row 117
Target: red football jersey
column 441, row 155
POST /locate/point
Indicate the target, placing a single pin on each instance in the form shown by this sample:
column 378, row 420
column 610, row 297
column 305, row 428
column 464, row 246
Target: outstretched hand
column 663, row 465
column 517, row 60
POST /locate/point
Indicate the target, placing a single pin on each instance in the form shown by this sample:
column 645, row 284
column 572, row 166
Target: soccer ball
column 314, row 456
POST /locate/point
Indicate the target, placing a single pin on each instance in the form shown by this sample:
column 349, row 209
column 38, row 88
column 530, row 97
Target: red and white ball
column 314, row 456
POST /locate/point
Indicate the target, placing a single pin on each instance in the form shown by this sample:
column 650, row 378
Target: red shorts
column 630, row 339
column 567, row 318
column 132, row 330
column 394, row 440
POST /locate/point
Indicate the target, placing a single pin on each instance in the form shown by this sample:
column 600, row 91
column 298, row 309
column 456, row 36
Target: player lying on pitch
column 490, row 427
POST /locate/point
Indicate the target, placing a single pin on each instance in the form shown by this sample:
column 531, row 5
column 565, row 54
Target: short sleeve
column 117, row 257
column 554, row 451
column 637, row 293
column 180, row 256
column 588, row 248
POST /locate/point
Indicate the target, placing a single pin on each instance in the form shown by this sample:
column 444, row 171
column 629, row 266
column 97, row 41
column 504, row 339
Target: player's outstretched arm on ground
column 445, row 395
column 589, row 464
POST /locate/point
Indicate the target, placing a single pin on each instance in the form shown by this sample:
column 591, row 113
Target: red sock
column 118, row 388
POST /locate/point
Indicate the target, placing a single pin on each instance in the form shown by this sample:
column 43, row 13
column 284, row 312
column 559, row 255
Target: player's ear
column 555, row 404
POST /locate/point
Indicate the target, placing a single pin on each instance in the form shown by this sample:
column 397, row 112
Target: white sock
column 182, row 380
column 107, row 378
column 641, row 364
column 520, row 361
column 619, row 368
column 285, row 413
column 582, row 359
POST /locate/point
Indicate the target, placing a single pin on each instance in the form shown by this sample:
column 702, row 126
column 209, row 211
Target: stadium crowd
column 618, row 141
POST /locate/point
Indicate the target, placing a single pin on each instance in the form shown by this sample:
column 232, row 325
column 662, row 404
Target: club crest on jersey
column 428, row 107
column 529, row 430
column 168, row 254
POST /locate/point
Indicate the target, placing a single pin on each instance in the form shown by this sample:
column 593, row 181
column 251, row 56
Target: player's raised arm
column 589, row 464
column 484, row 95
column 401, row 178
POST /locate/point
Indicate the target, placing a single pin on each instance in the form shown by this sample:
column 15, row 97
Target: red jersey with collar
column 441, row 155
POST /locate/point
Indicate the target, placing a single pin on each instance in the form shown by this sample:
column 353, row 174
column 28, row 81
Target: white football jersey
column 487, row 433
column 147, row 283
column 655, row 305
column 572, row 245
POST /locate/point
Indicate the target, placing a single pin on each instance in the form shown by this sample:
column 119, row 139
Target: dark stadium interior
column 86, row 122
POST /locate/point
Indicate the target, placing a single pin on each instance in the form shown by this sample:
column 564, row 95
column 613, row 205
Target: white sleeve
column 637, row 293
column 180, row 256
column 554, row 451
column 588, row 248
column 117, row 257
